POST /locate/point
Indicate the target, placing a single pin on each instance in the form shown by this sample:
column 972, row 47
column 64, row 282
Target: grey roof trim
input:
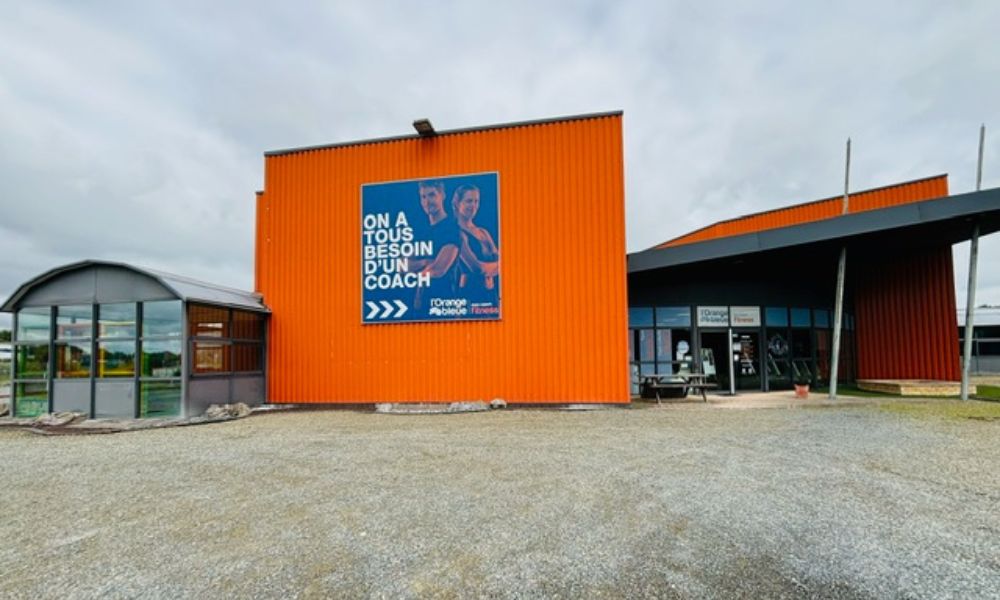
column 894, row 217
column 799, row 205
column 184, row 288
column 416, row 136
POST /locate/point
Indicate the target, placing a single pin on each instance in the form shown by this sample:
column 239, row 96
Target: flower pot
column 801, row 391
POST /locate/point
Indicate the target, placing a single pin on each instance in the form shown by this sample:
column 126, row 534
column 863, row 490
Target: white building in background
column 985, row 339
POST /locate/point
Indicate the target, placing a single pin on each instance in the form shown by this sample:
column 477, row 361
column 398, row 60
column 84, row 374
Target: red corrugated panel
column 563, row 333
column 903, row 193
column 905, row 311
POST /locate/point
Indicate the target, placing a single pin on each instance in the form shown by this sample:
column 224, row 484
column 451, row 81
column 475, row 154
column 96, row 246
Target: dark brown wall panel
column 905, row 308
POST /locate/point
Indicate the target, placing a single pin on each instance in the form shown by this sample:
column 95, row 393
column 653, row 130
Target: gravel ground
column 677, row 501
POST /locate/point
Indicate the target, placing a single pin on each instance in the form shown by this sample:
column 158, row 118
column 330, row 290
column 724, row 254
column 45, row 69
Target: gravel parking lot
column 673, row 501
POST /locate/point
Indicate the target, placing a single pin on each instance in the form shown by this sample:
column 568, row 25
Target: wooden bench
column 686, row 382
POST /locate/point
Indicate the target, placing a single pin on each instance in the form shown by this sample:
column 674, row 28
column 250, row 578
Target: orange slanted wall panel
column 562, row 335
column 902, row 193
column 905, row 312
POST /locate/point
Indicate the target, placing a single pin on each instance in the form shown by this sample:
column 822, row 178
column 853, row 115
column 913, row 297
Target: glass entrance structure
column 792, row 344
column 117, row 341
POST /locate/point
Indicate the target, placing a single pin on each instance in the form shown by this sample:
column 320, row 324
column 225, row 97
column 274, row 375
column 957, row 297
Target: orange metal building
column 906, row 295
column 768, row 281
column 562, row 334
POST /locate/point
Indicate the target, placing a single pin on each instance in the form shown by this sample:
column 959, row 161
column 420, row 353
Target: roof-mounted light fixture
column 424, row 127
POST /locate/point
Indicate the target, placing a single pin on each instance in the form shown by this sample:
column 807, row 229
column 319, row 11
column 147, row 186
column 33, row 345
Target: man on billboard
column 444, row 232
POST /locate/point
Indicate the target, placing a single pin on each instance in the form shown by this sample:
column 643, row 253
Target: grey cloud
column 134, row 131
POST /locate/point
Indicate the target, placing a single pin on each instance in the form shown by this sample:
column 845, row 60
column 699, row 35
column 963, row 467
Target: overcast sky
column 134, row 131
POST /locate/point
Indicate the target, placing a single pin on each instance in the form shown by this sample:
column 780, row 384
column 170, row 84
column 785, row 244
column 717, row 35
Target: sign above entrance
column 713, row 316
column 430, row 249
column 745, row 316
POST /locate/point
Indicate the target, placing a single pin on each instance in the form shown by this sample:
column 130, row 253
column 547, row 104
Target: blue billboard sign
column 430, row 249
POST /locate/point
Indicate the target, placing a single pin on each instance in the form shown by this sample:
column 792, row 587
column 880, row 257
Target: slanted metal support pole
column 838, row 304
column 970, row 296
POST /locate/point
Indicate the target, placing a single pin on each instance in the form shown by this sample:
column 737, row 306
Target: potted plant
column 802, row 380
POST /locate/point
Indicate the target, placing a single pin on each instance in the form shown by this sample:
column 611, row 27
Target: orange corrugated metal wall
column 905, row 313
column 562, row 337
column 914, row 191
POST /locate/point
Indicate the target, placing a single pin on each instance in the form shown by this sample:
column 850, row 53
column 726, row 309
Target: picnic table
column 685, row 382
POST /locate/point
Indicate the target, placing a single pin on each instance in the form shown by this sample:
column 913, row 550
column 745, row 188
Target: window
column 116, row 320
column 673, row 316
column 160, row 399
column 208, row 321
column 114, row 388
column 161, row 359
column 74, row 328
column 226, row 341
column 73, row 360
column 659, row 338
column 31, row 361
column 211, row 357
column 777, row 359
column 640, row 317
column 247, row 358
column 33, row 324
column 161, row 319
column 32, row 353
column 247, row 325
column 800, row 317
column 776, row 317
column 32, row 398
column 116, row 359
column 74, row 322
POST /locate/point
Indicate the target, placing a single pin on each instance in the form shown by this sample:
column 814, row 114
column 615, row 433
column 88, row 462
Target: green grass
column 988, row 392
column 4, row 372
column 946, row 409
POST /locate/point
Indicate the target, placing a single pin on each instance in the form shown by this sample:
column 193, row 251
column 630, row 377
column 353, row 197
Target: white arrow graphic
column 402, row 308
column 387, row 308
column 373, row 308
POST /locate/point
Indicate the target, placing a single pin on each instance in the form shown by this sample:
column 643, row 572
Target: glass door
column 746, row 353
column 715, row 348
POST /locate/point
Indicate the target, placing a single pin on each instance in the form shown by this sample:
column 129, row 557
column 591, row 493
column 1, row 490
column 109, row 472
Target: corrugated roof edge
column 414, row 136
column 9, row 304
column 985, row 202
column 801, row 204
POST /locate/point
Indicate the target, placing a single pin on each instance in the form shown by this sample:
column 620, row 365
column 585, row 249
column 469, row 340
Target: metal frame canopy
column 183, row 288
column 87, row 348
column 947, row 219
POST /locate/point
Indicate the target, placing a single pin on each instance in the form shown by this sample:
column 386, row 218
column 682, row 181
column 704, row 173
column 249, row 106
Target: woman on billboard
column 479, row 254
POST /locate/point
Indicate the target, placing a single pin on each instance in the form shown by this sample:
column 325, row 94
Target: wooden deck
column 913, row 387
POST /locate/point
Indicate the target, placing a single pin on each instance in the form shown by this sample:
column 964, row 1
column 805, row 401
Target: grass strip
column 946, row 409
column 988, row 392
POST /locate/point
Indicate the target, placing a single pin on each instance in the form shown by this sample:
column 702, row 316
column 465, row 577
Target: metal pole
column 838, row 304
column 970, row 303
column 732, row 361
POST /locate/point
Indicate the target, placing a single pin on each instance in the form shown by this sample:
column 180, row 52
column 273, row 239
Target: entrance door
column 714, row 353
column 746, row 352
column 743, row 350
